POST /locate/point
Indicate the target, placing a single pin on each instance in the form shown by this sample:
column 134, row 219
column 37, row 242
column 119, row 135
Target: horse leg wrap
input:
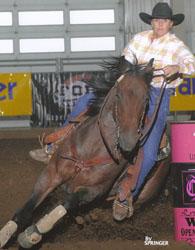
column 29, row 237
column 47, row 222
column 7, row 231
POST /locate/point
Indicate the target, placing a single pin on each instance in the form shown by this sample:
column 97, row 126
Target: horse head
column 131, row 100
column 121, row 103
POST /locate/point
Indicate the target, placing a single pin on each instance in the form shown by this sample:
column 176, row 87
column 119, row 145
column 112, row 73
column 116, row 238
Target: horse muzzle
column 128, row 142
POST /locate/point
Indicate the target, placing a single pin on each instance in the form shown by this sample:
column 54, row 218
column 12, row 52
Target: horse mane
column 114, row 68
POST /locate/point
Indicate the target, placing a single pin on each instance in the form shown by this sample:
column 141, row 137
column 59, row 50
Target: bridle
column 143, row 132
column 141, row 122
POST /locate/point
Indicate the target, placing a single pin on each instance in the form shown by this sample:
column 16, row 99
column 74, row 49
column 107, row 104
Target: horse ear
column 149, row 68
column 151, row 62
column 123, row 64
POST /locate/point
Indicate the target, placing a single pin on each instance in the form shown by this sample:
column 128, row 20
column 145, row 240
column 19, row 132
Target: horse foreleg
column 46, row 183
column 155, row 183
column 33, row 234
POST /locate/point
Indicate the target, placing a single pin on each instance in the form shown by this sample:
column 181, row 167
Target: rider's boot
column 39, row 155
column 123, row 203
column 53, row 140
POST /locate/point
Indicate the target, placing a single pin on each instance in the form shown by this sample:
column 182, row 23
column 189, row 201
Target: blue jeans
column 152, row 143
column 82, row 103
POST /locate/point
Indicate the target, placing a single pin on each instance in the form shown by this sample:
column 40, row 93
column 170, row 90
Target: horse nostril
column 128, row 143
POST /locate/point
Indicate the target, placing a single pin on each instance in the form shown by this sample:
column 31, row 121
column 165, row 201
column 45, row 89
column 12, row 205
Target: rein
column 157, row 104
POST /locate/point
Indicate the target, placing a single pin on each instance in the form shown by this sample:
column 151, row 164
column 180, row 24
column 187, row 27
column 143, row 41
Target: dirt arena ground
column 87, row 229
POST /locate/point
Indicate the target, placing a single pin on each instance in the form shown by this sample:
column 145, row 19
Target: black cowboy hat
column 162, row 10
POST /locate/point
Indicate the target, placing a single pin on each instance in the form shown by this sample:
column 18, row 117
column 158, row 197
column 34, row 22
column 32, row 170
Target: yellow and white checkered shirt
column 166, row 50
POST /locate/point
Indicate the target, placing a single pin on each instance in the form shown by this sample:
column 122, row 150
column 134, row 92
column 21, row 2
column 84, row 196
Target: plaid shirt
column 167, row 50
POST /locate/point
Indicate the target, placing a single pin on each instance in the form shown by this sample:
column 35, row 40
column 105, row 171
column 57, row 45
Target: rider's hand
column 170, row 70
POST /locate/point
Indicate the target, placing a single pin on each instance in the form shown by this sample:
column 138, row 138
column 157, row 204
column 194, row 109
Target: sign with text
column 183, row 97
column 15, row 94
column 55, row 95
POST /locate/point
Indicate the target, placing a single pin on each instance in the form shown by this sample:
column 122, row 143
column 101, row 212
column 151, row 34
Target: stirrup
column 164, row 152
column 124, row 211
column 45, row 146
column 131, row 209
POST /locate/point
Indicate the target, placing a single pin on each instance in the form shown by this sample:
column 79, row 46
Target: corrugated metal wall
column 190, row 23
column 126, row 24
column 67, row 60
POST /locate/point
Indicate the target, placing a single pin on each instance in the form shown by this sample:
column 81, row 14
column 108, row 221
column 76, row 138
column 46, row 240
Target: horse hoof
column 29, row 237
column 6, row 232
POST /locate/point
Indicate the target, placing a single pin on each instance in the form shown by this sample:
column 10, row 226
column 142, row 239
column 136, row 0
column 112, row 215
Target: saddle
column 57, row 137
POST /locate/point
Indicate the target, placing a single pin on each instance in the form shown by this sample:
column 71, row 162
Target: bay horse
column 95, row 153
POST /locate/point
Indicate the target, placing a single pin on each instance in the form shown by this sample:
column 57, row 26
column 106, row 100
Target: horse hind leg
column 46, row 183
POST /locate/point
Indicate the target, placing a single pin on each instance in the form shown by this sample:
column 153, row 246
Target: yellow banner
column 183, row 97
column 15, row 94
